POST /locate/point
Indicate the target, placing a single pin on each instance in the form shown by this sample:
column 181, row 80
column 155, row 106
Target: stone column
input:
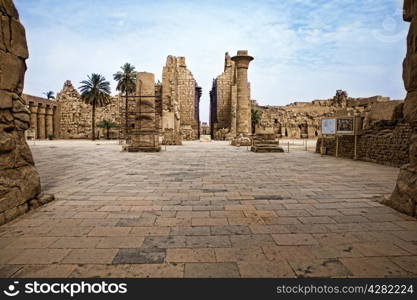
column 243, row 114
column 34, row 119
column 233, row 111
column 56, row 121
column 404, row 197
column 49, row 121
column 41, row 122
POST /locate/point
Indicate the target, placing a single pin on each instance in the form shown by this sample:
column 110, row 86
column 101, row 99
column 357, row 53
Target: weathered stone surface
column 8, row 8
column 18, row 39
column 410, row 108
column 19, row 179
column 404, row 197
column 180, row 98
column 12, row 70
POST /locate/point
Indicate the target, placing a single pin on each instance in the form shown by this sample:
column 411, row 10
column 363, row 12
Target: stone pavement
column 207, row 210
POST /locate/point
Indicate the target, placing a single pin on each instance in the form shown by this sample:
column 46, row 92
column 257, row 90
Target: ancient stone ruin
column 404, row 197
column 177, row 100
column 143, row 132
column 230, row 107
column 19, row 180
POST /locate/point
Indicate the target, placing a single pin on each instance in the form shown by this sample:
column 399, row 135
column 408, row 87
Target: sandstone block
column 18, row 39
column 12, row 70
column 410, row 107
column 6, row 100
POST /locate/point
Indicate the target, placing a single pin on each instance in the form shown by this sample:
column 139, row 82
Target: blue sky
column 303, row 49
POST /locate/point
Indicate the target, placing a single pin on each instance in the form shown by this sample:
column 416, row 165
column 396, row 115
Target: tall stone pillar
column 243, row 114
column 41, row 122
column 34, row 119
column 56, row 113
column 233, row 111
column 145, row 136
column 49, row 121
column 404, row 197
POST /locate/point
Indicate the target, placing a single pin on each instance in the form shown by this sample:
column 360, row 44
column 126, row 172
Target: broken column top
column 242, row 59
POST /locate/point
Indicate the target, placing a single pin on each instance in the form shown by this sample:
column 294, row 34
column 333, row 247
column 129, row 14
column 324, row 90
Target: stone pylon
column 404, row 197
column 243, row 113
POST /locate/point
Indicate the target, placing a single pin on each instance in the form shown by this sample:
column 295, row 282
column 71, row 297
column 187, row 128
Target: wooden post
column 337, row 145
column 288, row 147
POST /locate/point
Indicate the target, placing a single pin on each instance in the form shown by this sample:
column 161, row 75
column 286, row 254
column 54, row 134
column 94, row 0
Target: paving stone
column 165, row 270
column 39, row 256
column 75, row 242
column 230, row 230
column 288, row 252
column 319, row 268
column 150, row 231
column 408, row 263
column 211, row 270
column 101, row 271
column 136, row 222
column 207, row 241
column 164, row 242
column 8, row 270
column 252, row 241
column 45, row 271
column 140, row 256
column 239, row 254
column 265, row 269
column 294, row 239
column 115, row 242
column 90, row 256
column 198, row 230
column 373, row 267
column 190, row 255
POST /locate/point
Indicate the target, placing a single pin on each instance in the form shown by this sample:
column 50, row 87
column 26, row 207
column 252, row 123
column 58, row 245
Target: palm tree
column 96, row 92
column 126, row 83
column 105, row 124
column 255, row 117
column 49, row 95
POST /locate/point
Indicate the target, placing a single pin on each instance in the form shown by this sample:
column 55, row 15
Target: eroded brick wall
column 388, row 145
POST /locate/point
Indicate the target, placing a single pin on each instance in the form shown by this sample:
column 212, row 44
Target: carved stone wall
column 19, row 180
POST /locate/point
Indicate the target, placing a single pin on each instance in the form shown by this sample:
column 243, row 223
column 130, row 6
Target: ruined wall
column 180, row 101
column 19, row 180
column 221, row 98
column 385, row 143
column 298, row 119
column 404, row 197
column 75, row 115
